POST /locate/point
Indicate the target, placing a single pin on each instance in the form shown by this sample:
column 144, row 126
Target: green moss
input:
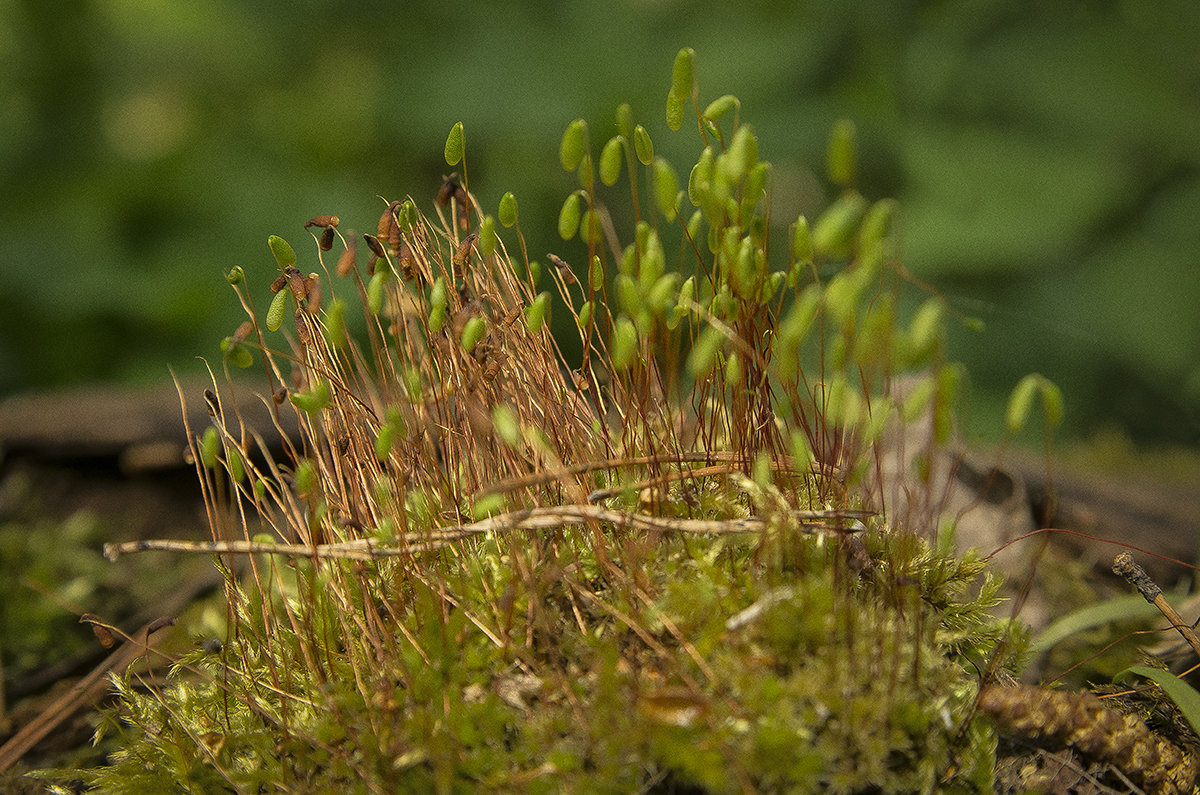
column 767, row 647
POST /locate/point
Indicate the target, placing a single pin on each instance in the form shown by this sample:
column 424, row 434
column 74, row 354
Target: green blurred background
column 1047, row 157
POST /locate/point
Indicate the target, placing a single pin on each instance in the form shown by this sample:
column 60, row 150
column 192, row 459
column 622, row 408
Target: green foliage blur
column 1047, row 157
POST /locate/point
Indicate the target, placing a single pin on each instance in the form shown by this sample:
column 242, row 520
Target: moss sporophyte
column 672, row 561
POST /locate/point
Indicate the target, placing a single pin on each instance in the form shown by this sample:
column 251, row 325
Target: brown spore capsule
column 463, row 254
column 448, row 189
column 322, row 220
column 212, row 402
column 564, row 270
column 346, row 261
column 374, row 244
column 325, row 242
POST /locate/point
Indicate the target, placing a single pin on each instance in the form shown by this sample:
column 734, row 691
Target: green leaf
column 568, row 217
column 508, row 209
column 277, row 310
column 454, row 145
column 1120, row 608
column 574, row 142
column 643, row 146
column 282, row 250
column 1183, row 694
column 610, row 160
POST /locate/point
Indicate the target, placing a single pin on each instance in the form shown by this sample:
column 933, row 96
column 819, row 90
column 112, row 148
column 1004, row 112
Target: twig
column 530, row 519
column 1137, row 576
column 86, row 689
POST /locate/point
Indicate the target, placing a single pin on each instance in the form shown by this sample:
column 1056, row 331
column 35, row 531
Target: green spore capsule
column 842, row 155
column 236, row 353
column 383, row 442
column 437, row 305
column 375, row 291
column 282, row 250
column 643, row 147
column 237, row 470
column 666, row 187
column 472, row 333
column 314, row 400
column 210, row 448
column 574, row 143
column 454, row 145
column 568, row 217
column 506, row 425
column 277, row 310
column 335, row 323
column 535, row 315
column 682, row 72
column 720, row 106
column 624, row 344
column 508, row 209
column 610, row 160
column 487, row 236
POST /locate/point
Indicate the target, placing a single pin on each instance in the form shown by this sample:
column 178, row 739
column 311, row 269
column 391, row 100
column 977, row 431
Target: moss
column 723, row 616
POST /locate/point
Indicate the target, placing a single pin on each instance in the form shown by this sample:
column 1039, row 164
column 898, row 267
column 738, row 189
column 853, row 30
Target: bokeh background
column 1047, row 156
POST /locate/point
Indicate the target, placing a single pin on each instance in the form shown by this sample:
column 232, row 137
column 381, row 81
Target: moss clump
column 664, row 564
